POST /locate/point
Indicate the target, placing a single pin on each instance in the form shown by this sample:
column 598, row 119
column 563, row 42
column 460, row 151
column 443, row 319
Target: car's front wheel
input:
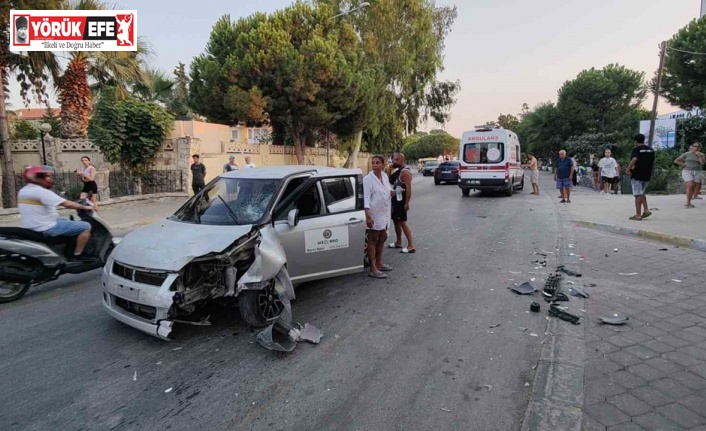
column 260, row 307
column 466, row 191
column 437, row 182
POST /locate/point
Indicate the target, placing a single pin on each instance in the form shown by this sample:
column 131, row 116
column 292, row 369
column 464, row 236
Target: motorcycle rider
column 38, row 210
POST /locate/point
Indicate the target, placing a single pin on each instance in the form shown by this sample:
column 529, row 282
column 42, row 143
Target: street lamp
column 44, row 128
column 360, row 7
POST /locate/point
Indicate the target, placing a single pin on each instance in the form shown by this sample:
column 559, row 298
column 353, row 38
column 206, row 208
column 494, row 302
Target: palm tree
column 157, row 87
column 114, row 68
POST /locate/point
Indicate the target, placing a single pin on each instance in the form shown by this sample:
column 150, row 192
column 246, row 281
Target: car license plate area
column 127, row 292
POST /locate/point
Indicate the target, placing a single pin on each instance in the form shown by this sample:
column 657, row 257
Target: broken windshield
column 229, row 201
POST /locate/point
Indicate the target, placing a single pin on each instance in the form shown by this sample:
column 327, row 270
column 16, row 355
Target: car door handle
column 354, row 221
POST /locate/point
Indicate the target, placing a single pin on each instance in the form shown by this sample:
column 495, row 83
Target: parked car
column 250, row 234
column 429, row 167
column 421, row 162
column 447, row 172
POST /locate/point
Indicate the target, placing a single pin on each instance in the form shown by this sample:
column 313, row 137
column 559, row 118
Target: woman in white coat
column 377, row 194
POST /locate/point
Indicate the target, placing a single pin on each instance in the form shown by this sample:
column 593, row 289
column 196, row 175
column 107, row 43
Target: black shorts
column 398, row 212
column 609, row 180
column 90, row 187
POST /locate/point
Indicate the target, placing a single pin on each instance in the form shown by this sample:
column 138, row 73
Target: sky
column 504, row 52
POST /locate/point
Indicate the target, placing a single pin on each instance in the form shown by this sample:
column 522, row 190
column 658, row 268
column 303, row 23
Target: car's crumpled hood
column 169, row 245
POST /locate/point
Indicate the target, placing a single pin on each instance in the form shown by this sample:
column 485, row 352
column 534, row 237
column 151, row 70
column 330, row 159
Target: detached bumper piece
column 555, row 311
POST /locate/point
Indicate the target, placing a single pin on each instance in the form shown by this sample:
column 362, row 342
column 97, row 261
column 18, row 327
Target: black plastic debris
column 614, row 320
column 577, row 291
column 555, row 311
column 524, row 289
column 535, row 307
column 560, row 297
column 551, row 285
column 569, row 272
column 663, row 249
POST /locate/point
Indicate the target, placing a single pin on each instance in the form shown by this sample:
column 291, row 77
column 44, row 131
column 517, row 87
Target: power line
column 687, row 52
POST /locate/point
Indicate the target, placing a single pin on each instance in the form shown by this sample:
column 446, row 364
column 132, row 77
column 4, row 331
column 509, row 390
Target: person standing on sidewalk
column 231, row 165
column 563, row 172
column 88, row 176
column 401, row 178
column 376, row 201
column 697, row 190
column 642, row 159
column 248, row 163
column 198, row 172
column 595, row 172
column 690, row 163
column 534, row 173
column 609, row 172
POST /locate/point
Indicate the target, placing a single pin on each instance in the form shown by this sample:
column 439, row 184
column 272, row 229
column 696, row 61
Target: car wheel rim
column 268, row 303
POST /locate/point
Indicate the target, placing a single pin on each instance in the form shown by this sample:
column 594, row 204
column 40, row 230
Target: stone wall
column 65, row 155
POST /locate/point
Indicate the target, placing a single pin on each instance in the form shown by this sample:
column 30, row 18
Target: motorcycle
column 29, row 258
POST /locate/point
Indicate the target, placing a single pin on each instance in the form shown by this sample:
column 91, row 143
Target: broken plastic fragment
column 490, row 387
column 168, row 390
column 134, row 377
column 533, row 335
column 524, row 289
column 629, row 273
column 614, row 320
column 576, row 291
column 559, row 296
column 676, row 281
column 446, row 410
column 568, row 271
column 494, row 326
column 563, row 315
column 311, row 334
column 276, row 337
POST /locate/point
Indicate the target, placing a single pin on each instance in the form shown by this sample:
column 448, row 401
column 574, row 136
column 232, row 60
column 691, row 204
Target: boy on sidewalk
column 639, row 169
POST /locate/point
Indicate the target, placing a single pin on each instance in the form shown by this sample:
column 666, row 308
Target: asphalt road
column 420, row 350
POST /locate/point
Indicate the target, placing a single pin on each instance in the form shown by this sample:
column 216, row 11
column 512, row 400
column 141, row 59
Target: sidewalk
column 670, row 221
column 128, row 216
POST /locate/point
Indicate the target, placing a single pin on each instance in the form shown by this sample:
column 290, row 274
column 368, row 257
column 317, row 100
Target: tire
column 437, row 182
column 510, row 189
column 258, row 308
column 466, row 192
column 12, row 291
column 522, row 184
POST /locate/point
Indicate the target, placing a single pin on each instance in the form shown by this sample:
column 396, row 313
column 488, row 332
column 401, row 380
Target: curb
column 682, row 241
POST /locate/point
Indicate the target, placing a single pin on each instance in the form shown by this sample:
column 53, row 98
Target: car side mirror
column 293, row 217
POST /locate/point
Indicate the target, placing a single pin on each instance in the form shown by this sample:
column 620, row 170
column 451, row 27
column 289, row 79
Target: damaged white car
column 250, row 234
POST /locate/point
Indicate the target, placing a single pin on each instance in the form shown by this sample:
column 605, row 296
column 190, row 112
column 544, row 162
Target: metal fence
column 154, row 181
column 121, row 183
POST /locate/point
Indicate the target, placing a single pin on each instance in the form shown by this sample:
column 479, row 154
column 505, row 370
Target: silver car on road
column 250, row 234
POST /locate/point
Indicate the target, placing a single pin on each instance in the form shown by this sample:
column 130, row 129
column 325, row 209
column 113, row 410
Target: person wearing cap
column 231, row 165
column 21, row 27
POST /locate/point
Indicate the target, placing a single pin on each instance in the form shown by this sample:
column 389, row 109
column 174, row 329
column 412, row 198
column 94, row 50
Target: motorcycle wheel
column 12, row 291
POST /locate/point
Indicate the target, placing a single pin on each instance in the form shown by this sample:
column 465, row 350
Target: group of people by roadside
column 639, row 169
column 387, row 199
column 198, row 170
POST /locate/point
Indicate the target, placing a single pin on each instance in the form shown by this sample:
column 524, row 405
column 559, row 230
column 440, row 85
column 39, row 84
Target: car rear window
column 449, row 166
column 431, row 164
column 484, row 152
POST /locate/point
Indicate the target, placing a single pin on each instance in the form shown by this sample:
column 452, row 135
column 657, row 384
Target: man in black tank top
column 401, row 178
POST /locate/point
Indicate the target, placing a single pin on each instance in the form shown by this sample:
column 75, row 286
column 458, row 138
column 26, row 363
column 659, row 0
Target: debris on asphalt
column 527, row 384
column 168, row 390
column 134, row 377
column 534, row 307
column 178, row 348
column 576, row 291
column 533, row 335
column 628, row 273
column 524, row 289
column 556, row 311
column 567, row 271
column 490, row 387
column 663, row 249
column 615, row 250
column 514, row 272
column 614, row 320
column 523, row 329
column 494, row 326
column 446, row 410
column 561, row 297
column 676, row 281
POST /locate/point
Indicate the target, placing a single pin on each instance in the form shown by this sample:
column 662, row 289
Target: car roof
column 279, row 172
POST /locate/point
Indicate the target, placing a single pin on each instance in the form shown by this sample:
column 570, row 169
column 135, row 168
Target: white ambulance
column 490, row 160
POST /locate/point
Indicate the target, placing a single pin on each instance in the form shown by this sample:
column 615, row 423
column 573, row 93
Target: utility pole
column 8, row 170
column 658, row 86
